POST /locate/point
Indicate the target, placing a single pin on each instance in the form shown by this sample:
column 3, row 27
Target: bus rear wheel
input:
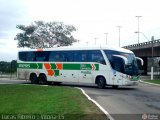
column 101, row 82
column 42, row 79
column 33, row 79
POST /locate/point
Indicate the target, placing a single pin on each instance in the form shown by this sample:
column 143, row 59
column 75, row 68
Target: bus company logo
column 84, row 67
column 24, row 65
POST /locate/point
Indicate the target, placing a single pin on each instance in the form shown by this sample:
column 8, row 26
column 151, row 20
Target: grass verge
column 50, row 102
column 153, row 81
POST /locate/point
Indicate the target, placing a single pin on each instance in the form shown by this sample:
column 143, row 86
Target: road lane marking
column 97, row 104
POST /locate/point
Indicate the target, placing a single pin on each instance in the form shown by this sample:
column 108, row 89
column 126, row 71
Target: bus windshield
column 119, row 65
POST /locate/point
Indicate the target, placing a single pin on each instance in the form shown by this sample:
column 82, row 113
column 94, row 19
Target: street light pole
column 106, row 37
column 152, row 69
column 119, row 27
column 138, row 27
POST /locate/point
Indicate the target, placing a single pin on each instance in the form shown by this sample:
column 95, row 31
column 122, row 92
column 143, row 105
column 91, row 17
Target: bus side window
column 22, row 56
column 84, row 57
column 42, row 56
column 96, row 56
column 30, row 56
column 56, row 56
column 69, row 56
column 51, row 56
column 80, row 56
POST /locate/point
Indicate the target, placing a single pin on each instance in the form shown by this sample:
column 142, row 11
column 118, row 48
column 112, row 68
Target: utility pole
column 138, row 27
column 152, row 68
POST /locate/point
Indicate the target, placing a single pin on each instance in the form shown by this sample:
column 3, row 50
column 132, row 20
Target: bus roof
column 82, row 48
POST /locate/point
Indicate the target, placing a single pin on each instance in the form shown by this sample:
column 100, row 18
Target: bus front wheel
column 101, row 82
column 42, row 79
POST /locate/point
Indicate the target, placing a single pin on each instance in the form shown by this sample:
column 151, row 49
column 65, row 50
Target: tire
column 101, row 82
column 34, row 79
column 42, row 79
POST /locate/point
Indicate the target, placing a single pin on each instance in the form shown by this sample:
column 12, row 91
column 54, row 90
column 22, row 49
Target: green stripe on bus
column 97, row 66
column 71, row 66
column 66, row 66
column 56, row 72
column 80, row 66
column 29, row 65
column 53, row 66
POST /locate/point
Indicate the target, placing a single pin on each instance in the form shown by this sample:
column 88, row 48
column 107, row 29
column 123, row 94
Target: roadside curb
column 98, row 105
column 149, row 83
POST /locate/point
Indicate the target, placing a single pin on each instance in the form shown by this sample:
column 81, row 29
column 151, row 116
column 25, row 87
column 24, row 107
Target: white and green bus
column 98, row 65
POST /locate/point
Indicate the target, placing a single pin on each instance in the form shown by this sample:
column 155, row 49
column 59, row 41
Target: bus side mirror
column 142, row 62
column 123, row 58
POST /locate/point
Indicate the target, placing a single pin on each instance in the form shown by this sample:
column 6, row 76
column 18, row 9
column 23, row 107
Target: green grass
column 43, row 100
column 153, row 81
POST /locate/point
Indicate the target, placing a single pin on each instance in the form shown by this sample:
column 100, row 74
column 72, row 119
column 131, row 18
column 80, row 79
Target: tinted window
column 118, row 64
column 96, row 56
column 68, row 56
column 22, row 56
column 63, row 56
column 42, row 56
column 111, row 58
column 30, row 56
column 57, row 56
column 80, row 56
column 27, row 56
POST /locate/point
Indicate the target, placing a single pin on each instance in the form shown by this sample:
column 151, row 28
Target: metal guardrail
column 143, row 45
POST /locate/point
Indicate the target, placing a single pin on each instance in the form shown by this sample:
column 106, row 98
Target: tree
column 42, row 34
column 13, row 66
column 5, row 67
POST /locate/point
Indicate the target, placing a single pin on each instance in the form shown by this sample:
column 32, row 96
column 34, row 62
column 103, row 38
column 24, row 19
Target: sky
column 92, row 18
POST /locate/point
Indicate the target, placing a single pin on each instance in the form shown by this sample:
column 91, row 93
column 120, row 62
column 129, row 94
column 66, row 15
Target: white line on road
column 100, row 107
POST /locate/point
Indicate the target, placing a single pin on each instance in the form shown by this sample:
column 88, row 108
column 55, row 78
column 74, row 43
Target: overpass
column 146, row 51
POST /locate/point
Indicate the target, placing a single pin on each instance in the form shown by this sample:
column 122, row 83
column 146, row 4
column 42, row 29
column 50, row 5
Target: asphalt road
column 124, row 103
column 128, row 103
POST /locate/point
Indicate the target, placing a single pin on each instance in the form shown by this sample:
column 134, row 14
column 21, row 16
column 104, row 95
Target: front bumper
column 131, row 83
